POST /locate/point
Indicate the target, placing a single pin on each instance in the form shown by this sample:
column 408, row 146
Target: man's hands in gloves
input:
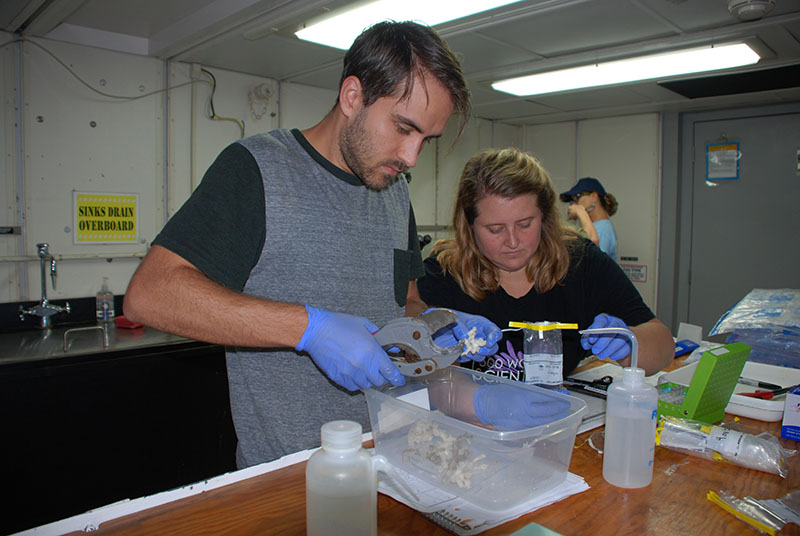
column 484, row 329
column 344, row 348
column 507, row 407
column 611, row 346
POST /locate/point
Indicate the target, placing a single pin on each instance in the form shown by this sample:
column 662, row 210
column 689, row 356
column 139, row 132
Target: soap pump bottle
column 342, row 483
column 104, row 303
column 631, row 417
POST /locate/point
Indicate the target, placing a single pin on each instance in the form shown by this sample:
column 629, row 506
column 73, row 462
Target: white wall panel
column 500, row 136
column 554, row 146
column 230, row 101
column 304, row 106
column 622, row 152
column 451, row 155
column 76, row 139
column 423, row 185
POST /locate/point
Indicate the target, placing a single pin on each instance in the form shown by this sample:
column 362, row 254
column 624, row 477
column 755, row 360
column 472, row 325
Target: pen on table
column 756, row 383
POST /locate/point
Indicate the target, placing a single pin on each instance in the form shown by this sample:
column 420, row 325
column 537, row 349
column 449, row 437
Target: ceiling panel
column 480, row 52
column 588, row 26
column 142, row 18
column 273, row 56
column 527, row 36
column 586, row 99
column 689, row 15
column 486, row 105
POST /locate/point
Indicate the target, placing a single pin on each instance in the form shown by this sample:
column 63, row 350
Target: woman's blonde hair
column 507, row 173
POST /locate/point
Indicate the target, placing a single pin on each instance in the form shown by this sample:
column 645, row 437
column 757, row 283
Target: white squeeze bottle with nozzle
column 342, row 483
column 104, row 303
column 630, row 432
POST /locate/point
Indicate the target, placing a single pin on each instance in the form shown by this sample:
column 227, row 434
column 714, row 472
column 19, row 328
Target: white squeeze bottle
column 104, row 303
column 629, row 444
column 631, row 415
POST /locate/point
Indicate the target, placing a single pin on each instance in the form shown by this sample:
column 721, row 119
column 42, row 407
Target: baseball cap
column 586, row 184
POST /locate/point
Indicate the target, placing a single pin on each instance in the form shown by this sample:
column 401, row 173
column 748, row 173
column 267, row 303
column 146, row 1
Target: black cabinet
column 85, row 431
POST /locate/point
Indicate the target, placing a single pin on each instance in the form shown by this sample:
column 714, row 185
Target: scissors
column 410, row 345
column 599, row 383
column 596, row 387
column 768, row 395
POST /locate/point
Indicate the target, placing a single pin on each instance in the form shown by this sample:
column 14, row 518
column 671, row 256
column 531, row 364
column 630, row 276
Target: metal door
column 744, row 232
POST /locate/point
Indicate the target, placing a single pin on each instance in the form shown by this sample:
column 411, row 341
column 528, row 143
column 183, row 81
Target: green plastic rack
column 711, row 387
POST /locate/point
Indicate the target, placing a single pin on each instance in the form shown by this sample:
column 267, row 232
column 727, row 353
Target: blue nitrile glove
column 611, row 346
column 508, row 407
column 343, row 347
column 485, row 329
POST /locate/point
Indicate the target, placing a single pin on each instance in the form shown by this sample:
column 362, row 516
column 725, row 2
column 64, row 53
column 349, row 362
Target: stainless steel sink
column 40, row 344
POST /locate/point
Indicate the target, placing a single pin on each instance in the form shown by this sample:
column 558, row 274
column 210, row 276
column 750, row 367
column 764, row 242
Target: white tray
column 745, row 406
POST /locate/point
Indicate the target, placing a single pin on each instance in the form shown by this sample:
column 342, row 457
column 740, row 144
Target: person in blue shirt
column 592, row 207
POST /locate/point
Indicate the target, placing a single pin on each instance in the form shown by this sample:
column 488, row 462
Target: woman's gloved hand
column 611, row 346
column 344, row 348
column 507, row 407
column 484, row 329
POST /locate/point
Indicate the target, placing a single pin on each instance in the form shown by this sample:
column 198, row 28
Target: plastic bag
column 748, row 510
column 762, row 308
column 766, row 515
column 768, row 321
column 762, row 452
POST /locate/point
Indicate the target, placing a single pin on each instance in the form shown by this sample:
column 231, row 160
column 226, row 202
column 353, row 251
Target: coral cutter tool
column 409, row 342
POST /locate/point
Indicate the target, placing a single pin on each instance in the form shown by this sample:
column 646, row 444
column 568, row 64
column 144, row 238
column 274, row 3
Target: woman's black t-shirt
column 594, row 284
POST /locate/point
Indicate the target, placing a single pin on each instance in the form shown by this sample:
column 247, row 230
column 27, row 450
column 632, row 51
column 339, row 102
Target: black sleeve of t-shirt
column 221, row 228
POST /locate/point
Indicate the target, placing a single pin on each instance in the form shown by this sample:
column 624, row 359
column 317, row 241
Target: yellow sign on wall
column 102, row 218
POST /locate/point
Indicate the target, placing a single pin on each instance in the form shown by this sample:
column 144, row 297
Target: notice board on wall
column 105, row 218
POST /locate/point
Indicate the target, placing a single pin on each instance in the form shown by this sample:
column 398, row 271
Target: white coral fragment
column 472, row 343
column 449, row 454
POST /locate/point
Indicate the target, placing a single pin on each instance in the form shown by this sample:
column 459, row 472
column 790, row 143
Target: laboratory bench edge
column 82, row 430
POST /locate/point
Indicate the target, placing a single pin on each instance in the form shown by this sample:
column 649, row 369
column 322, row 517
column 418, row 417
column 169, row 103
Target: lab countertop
column 29, row 346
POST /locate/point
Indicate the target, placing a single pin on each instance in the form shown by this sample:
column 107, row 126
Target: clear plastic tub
column 495, row 470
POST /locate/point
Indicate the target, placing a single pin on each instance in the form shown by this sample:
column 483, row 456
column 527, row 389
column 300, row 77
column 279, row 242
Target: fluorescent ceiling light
column 695, row 60
column 341, row 30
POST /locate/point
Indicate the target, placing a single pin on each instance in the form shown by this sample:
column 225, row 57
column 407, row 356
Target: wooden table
column 675, row 503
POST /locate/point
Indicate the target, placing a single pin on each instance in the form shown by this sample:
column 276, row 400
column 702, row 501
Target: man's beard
column 356, row 146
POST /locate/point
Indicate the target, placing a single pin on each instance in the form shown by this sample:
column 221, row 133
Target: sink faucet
column 44, row 309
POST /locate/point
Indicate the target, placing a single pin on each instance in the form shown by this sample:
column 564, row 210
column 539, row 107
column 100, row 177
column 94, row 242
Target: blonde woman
column 514, row 259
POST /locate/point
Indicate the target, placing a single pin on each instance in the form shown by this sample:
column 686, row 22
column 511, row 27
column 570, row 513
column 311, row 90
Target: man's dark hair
column 386, row 58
